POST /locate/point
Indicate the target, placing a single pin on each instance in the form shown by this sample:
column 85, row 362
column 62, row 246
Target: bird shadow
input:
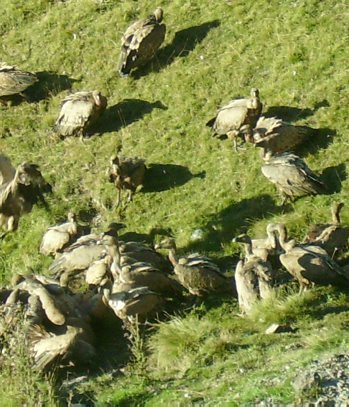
column 161, row 177
column 182, row 44
column 123, row 114
column 49, row 83
column 148, row 238
column 333, row 176
column 233, row 220
column 291, row 114
column 319, row 139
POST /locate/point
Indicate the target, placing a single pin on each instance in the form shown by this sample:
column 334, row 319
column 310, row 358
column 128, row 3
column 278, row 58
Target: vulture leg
column 233, row 135
column 12, row 224
column 130, row 195
column 118, row 199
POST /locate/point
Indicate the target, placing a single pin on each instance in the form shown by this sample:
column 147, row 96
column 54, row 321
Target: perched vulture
column 79, row 111
column 292, row 176
column 58, row 237
column 253, row 277
column 137, row 302
column 237, row 118
column 198, row 274
column 19, row 193
column 333, row 236
column 309, row 264
column 276, row 136
column 141, row 41
column 126, row 173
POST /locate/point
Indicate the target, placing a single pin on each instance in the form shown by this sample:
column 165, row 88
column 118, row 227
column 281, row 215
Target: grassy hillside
column 295, row 52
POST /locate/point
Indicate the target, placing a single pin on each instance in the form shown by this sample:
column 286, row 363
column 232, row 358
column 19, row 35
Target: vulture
column 49, row 349
column 268, row 247
column 140, row 252
column 292, row 176
column 58, row 237
column 237, row 118
column 81, row 255
column 14, row 81
column 19, row 193
column 79, row 111
column 330, row 236
column 140, row 42
column 309, row 264
column 198, row 274
column 126, row 173
column 140, row 274
column 56, row 328
column 276, row 136
column 7, row 171
column 137, row 302
column 253, row 277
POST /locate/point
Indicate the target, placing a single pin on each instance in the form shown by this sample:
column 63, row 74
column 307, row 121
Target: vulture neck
column 115, row 268
column 335, row 210
column 172, row 256
column 286, row 245
column 248, row 249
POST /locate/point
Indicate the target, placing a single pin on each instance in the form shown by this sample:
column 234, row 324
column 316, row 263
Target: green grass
column 295, row 52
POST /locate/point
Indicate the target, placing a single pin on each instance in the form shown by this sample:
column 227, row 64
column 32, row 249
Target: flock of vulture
column 93, row 276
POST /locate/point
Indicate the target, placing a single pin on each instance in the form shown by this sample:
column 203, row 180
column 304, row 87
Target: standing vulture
column 309, row 264
column 141, row 41
column 78, row 112
column 238, row 117
column 23, row 188
column 126, row 173
column 277, row 136
column 330, row 236
column 292, row 176
column 198, row 274
column 253, row 277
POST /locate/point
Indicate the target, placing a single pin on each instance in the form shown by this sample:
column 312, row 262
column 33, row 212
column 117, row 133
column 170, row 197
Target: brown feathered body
column 277, row 136
column 137, row 302
column 7, row 171
column 18, row 195
column 292, row 176
column 253, row 277
column 54, row 325
column 309, row 264
column 141, row 41
column 56, row 238
column 140, row 274
column 14, row 81
column 126, row 174
column 80, row 256
column 239, row 115
column 79, row 112
column 332, row 237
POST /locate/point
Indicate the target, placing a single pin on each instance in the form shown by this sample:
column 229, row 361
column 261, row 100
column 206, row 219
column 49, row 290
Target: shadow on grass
column 123, row 114
column 319, row 139
column 146, row 237
column 183, row 43
column 332, row 177
column 291, row 114
column 235, row 219
column 161, row 177
column 49, row 84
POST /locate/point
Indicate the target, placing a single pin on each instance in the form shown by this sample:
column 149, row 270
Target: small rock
column 306, row 381
column 277, row 328
column 198, row 234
